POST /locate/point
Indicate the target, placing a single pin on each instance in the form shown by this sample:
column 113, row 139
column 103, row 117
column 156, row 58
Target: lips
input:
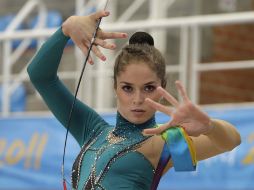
column 138, row 110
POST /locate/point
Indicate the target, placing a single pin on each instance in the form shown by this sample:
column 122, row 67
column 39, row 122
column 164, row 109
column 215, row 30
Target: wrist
column 210, row 128
column 64, row 31
column 65, row 27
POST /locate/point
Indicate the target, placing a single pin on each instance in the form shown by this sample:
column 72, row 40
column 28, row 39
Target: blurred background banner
column 31, row 153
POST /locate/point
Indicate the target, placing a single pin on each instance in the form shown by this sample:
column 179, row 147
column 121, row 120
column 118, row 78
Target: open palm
column 185, row 114
column 81, row 29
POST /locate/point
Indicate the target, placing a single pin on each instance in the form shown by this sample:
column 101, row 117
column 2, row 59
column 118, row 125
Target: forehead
column 137, row 72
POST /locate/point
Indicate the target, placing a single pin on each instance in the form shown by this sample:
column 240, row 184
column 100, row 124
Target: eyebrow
column 149, row 83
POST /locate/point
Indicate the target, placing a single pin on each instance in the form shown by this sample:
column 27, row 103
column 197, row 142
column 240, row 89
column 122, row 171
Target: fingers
column 107, row 35
column 158, row 130
column 182, row 91
column 84, row 49
column 98, row 53
column 111, row 35
column 168, row 97
column 95, row 50
column 83, row 42
column 90, row 61
column 158, row 106
column 104, row 44
column 99, row 14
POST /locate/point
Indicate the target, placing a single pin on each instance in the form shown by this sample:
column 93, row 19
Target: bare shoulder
column 152, row 149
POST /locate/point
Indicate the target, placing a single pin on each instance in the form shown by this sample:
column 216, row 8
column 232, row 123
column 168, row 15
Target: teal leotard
column 108, row 159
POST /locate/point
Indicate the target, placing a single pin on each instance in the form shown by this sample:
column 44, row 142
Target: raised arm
column 210, row 136
column 81, row 28
column 221, row 138
column 43, row 72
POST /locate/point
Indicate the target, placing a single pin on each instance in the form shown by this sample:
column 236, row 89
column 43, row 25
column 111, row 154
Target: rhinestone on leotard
column 124, row 138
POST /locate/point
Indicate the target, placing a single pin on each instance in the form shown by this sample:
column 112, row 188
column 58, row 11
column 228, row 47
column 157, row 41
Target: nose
column 138, row 98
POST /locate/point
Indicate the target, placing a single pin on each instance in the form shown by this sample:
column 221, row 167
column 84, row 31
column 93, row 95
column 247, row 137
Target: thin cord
column 75, row 97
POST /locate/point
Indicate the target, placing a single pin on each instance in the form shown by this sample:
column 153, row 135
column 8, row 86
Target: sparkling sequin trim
column 93, row 181
column 126, row 135
column 113, row 139
column 75, row 176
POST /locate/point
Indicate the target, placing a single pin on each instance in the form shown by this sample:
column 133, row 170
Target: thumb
column 100, row 14
column 156, row 131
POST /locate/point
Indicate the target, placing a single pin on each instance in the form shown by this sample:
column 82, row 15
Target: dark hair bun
column 141, row 38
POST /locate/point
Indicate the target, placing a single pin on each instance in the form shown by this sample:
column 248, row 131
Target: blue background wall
column 31, row 154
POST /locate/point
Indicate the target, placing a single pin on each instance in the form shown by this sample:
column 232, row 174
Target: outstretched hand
column 184, row 114
column 81, row 28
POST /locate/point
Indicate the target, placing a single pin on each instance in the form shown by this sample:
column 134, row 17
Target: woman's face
column 136, row 83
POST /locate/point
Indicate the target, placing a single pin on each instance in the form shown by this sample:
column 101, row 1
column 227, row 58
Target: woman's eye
column 127, row 88
column 149, row 88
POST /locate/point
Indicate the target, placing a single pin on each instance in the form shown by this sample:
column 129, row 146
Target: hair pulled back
column 141, row 49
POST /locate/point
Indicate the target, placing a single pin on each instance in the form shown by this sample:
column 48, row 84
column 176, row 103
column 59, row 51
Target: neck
column 127, row 128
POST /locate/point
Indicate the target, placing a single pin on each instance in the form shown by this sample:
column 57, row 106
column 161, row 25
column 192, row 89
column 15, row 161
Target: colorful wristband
column 181, row 149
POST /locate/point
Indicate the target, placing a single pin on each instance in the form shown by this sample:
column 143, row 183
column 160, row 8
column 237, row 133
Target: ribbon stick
column 75, row 97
